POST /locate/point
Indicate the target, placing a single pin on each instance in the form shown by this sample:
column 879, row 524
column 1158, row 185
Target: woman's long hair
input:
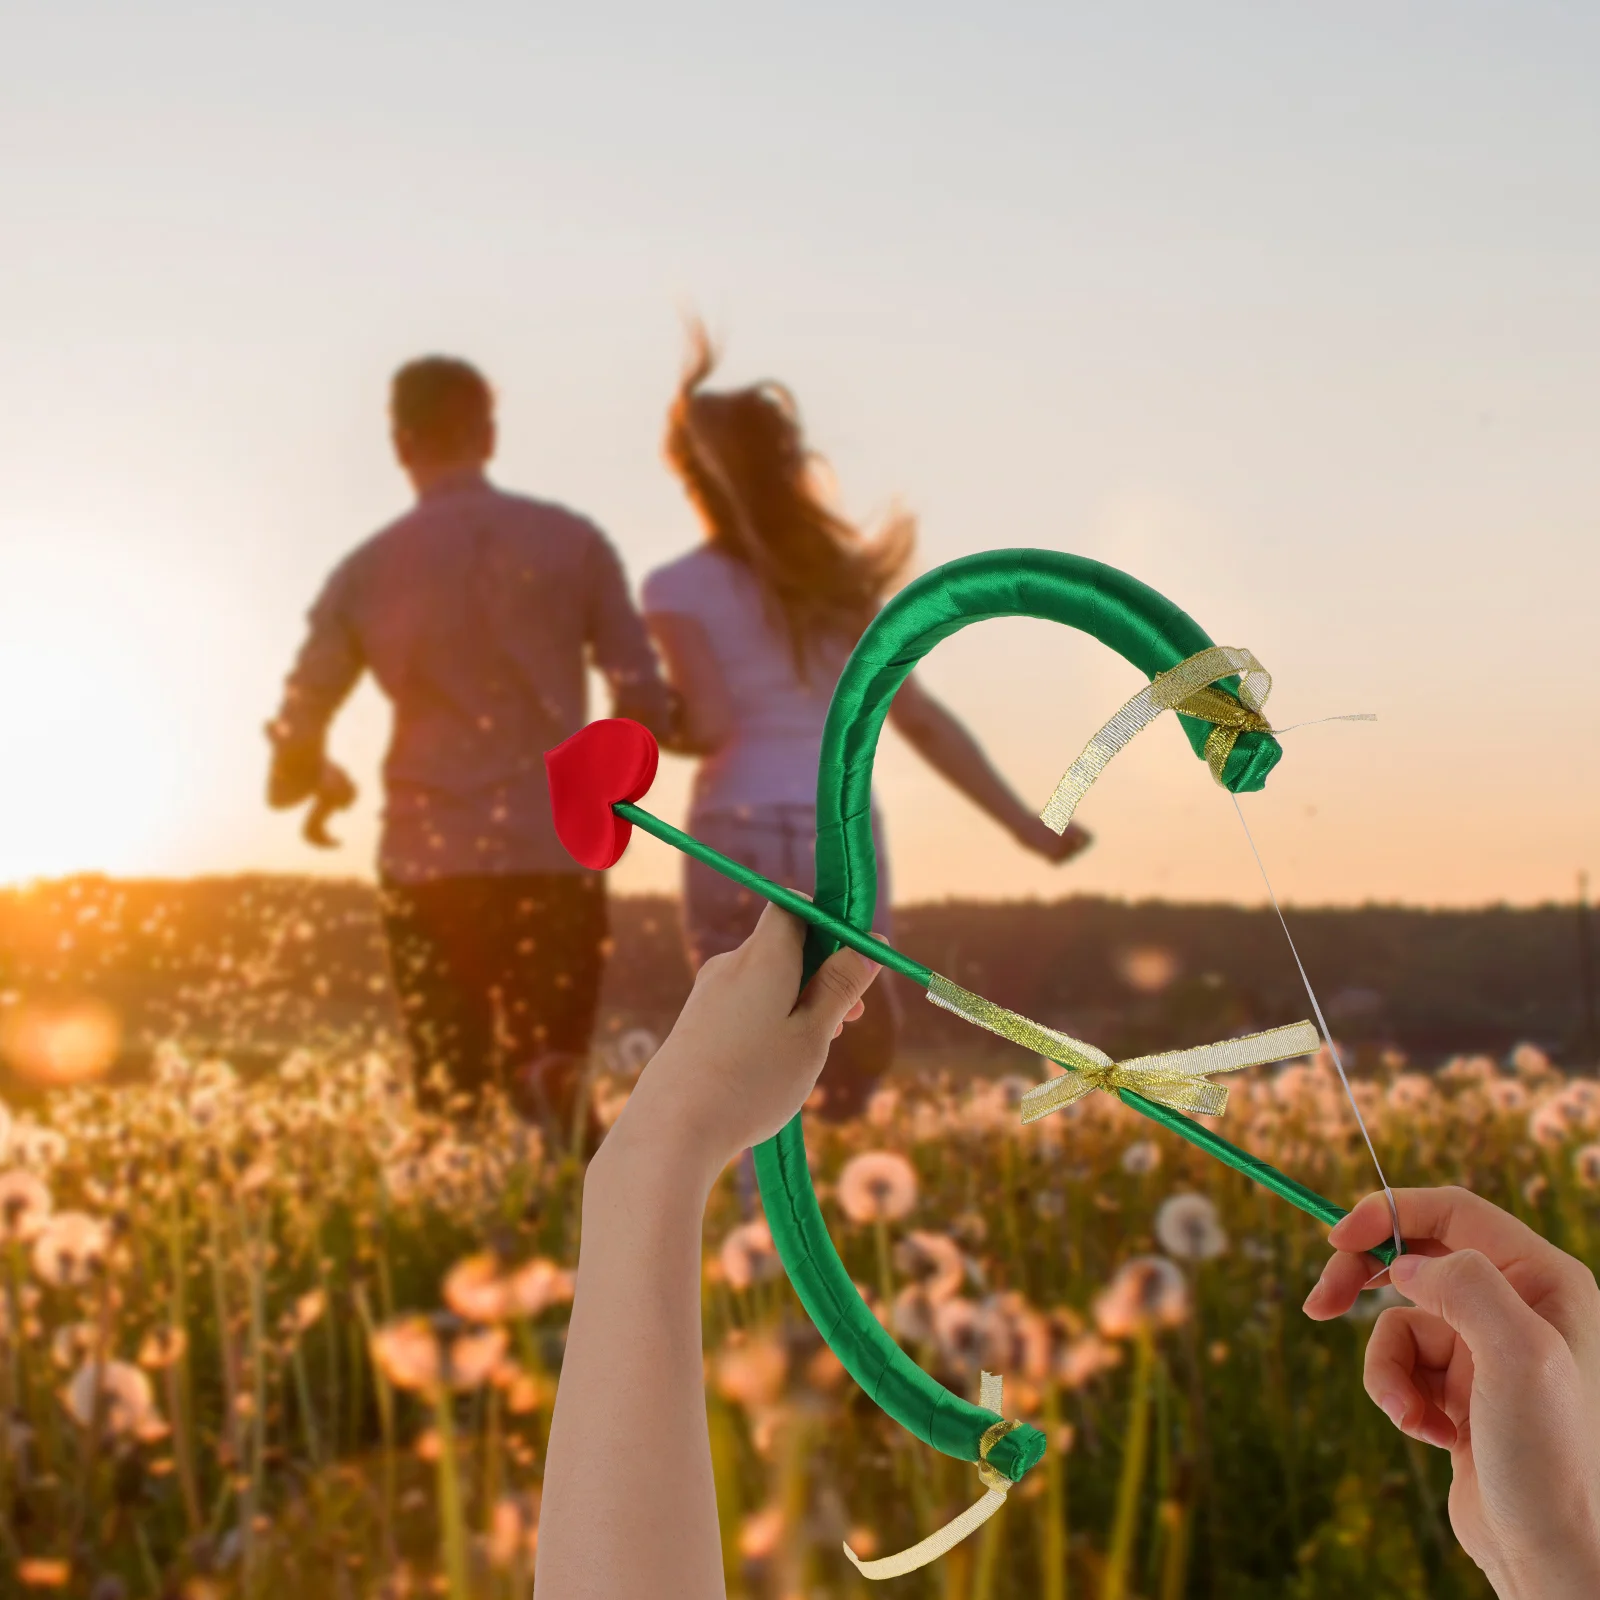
column 743, row 461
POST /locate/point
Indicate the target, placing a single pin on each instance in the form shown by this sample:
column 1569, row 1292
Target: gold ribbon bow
column 1175, row 1078
column 996, row 1484
column 1188, row 689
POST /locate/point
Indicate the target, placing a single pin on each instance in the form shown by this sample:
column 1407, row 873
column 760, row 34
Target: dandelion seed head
column 1548, row 1124
column 911, row 1316
column 1507, row 1097
column 472, row 1357
column 1188, row 1229
column 1411, row 1091
column 475, row 1291
column 748, row 1255
column 71, row 1249
column 877, row 1185
column 162, row 1347
column 635, row 1049
column 1147, row 1293
column 1586, row 1166
column 407, row 1353
column 970, row 1337
column 760, row 1533
column 25, row 1206
column 127, row 1402
column 1531, row 1064
column 752, row 1374
column 1141, row 1158
column 936, row 1260
column 1085, row 1358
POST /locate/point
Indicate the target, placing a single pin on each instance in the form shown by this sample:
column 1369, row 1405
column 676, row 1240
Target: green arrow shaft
column 796, row 904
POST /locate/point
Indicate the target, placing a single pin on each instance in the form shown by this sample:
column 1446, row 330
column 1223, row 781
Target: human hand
column 1497, row 1360
column 335, row 791
column 744, row 1054
column 1034, row 835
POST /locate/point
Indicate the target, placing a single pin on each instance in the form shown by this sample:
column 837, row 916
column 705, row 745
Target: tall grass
column 290, row 1335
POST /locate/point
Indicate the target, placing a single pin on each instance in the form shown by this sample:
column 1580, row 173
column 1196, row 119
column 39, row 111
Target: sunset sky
column 1293, row 312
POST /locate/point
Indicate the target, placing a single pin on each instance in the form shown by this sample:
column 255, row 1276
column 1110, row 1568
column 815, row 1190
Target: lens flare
column 59, row 1044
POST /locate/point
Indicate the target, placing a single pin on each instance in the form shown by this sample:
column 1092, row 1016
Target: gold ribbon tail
column 970, row 1520
column 1187, row 688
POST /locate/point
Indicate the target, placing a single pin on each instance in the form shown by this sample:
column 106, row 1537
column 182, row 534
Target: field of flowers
column 285, row 1334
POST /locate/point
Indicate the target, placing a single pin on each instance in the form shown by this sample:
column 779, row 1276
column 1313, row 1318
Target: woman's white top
column 771, row 755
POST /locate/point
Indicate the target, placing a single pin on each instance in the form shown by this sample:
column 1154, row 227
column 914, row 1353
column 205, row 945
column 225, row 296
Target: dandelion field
column 283, row 1331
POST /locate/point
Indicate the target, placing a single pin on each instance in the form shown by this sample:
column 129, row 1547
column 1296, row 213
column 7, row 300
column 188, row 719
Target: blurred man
column 476, row 612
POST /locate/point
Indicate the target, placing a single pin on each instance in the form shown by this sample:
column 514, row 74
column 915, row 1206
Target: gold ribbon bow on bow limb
column 1175, row 1078
column 1187, row 689
column 996, row 1484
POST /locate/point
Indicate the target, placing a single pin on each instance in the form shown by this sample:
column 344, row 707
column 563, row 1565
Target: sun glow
column 92, row 763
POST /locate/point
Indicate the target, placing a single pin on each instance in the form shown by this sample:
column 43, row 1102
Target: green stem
column 1134, row 1445
column 254, row 1252
column 880, row 1233
column 179, row 1387
column 1054, row 1552
column 302, row 1389
column 385, row 1398
column 1175, row 1564
column 452, row 1523
column 988, row 1559
column 331, row 1333
column 97, row 1415
column 491, row 1456
column 230, row 1365
column 182, row 1451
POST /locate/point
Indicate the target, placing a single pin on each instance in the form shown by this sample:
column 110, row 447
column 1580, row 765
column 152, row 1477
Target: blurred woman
column 754, row 626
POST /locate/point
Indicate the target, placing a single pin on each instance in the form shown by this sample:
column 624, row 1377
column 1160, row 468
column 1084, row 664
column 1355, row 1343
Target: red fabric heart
column 610, row 760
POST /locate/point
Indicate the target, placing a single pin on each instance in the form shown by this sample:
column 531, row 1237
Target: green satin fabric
column 1150, row 632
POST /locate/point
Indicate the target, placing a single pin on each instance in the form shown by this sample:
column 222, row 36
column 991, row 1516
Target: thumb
column 840, row 981
column 1469, row 1293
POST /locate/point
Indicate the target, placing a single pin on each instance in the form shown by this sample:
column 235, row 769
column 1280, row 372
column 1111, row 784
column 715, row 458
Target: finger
column 778, row 938
column 1456, row 1217
column 1561, row 1289
column 836, row 990
column 1467, row 1291
column 1345, row 1276
column 1407, row 1356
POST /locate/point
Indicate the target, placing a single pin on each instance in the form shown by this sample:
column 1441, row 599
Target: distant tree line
column 255, row 965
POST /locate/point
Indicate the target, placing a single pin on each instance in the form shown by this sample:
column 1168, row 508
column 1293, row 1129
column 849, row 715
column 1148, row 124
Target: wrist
column 1023, row 825
column 654, row 1149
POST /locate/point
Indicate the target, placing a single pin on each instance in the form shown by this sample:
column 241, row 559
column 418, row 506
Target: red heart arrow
column 611, row 760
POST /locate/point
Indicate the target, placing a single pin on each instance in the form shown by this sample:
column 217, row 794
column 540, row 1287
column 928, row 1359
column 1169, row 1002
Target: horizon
column 670, row 895
column 1295, row 317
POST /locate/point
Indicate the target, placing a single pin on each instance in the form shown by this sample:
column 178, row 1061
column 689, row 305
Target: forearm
column 629, row 1503
column 956, row 756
